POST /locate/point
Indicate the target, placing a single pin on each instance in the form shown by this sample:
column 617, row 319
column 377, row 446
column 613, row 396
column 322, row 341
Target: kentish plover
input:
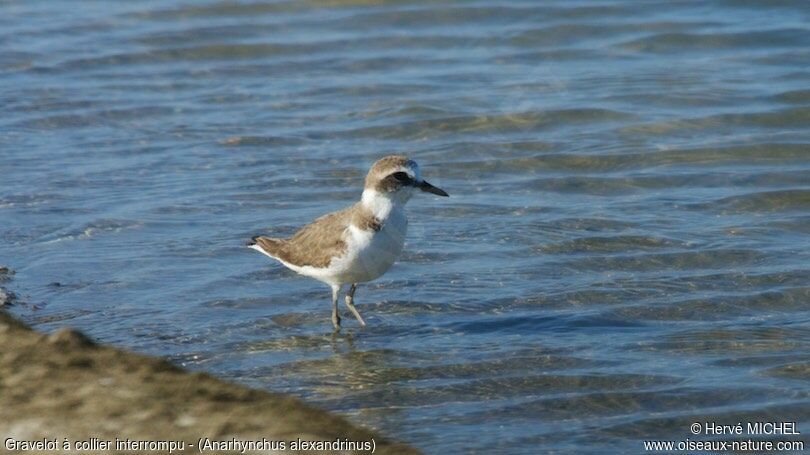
column 356, row 244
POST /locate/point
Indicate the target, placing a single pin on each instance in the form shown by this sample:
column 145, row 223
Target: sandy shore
column 64, row 387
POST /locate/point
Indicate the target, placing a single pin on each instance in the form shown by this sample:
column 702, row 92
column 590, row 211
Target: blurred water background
column 625, row 250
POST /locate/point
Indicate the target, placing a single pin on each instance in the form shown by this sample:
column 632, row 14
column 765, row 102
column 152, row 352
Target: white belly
column 370, row 254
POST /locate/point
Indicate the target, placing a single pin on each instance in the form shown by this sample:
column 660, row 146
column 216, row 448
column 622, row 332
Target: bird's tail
column 268, row 245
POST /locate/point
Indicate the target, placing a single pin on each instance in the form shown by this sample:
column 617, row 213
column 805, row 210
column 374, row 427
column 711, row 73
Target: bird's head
column 396, row 177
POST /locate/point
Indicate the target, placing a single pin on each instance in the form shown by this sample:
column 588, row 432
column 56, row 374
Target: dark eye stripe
column 402, row 176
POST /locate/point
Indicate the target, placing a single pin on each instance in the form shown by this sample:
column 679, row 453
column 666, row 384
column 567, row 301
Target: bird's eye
column 401, row 176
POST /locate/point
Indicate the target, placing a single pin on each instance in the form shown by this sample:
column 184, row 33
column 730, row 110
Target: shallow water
column 625, row 250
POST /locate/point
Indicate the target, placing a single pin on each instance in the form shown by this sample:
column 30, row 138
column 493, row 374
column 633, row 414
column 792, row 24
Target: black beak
column 428, row 188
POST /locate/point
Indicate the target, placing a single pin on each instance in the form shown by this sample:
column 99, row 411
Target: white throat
column 380, row 204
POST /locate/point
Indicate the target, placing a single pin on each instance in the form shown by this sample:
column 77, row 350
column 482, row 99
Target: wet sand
column 63, row 385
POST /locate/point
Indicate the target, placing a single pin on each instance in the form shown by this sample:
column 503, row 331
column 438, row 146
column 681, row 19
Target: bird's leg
column 350, row 304
column 335, row 316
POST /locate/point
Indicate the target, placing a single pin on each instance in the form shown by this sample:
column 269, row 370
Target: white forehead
column 412, row 169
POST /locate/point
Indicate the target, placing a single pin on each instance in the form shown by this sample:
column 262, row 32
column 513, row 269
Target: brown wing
column 318, row 242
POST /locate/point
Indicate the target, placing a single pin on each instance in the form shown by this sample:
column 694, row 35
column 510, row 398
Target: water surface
column 625, row 250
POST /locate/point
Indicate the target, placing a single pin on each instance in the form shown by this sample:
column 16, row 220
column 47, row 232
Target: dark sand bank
column 64, row 385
